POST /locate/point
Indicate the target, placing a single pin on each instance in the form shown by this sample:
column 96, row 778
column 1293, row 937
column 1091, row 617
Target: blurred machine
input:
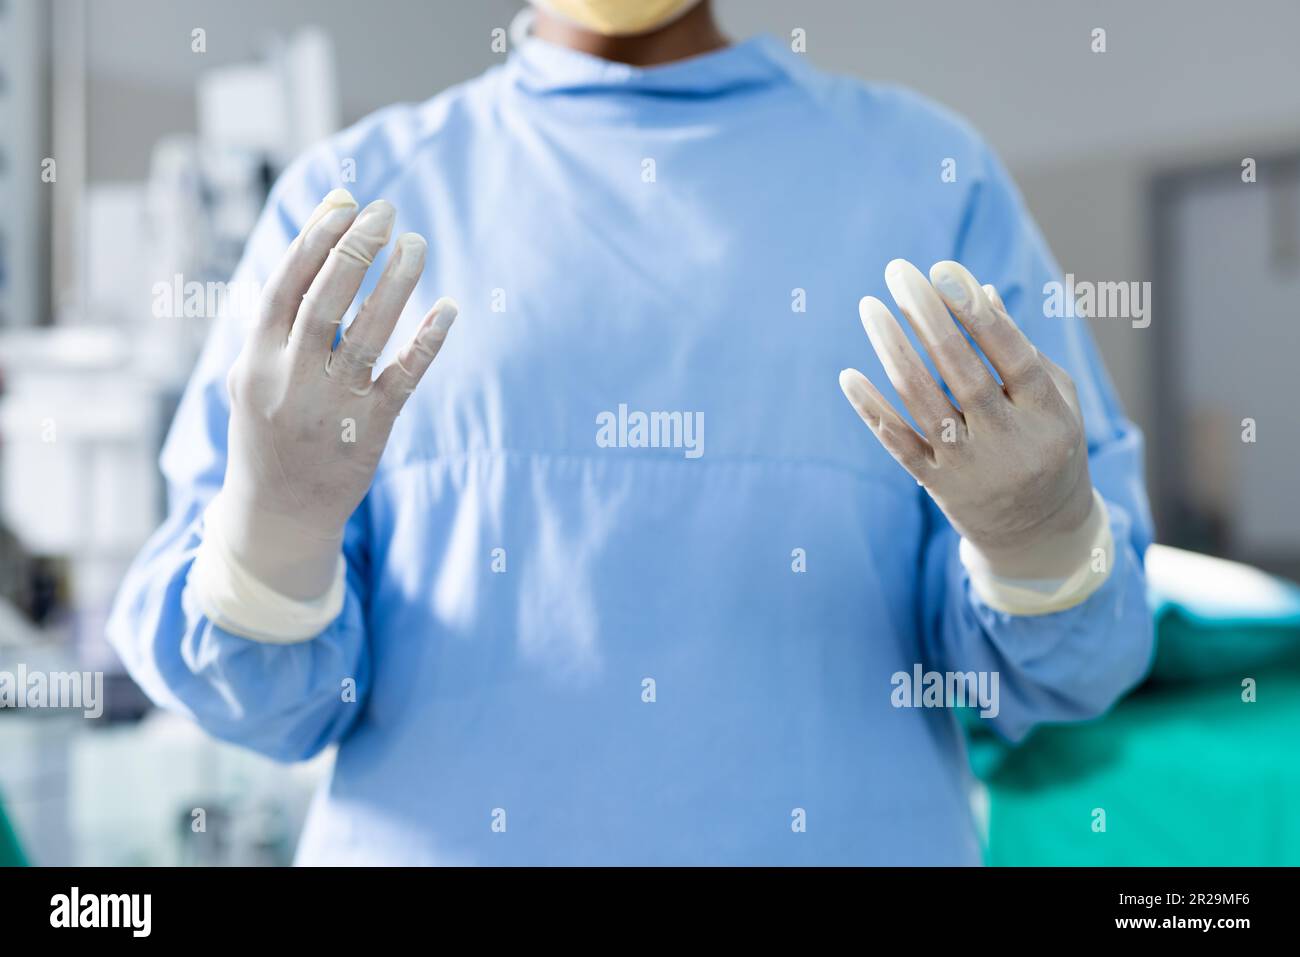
column 84, row 404
column 23, row 34
column 88, row 387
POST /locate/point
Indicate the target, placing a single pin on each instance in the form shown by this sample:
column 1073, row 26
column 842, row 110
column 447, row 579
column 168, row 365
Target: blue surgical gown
column 566, row 651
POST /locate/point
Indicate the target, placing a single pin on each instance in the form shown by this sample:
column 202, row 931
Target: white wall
column 1176, row 72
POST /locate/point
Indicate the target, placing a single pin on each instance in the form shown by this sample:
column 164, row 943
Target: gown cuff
column 1043, row 596
column 234, row 600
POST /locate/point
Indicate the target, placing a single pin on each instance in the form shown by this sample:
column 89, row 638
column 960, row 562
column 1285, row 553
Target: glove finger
column 283, row 292
column 922, row 396
column 1064, row 385
column 1014, row 357
column 960, row 365
column 994, row 297
column 336, row 285
column 396, row 383
column 900, row 440
column 354, row 357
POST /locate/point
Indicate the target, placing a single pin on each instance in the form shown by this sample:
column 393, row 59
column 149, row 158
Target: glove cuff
column 1031, row 596
column 232, row 598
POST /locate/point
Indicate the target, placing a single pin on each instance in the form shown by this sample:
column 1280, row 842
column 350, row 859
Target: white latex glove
column 1009, row 468
column 308, row 423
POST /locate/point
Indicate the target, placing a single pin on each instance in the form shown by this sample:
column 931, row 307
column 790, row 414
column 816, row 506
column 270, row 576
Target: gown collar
column 541, row 67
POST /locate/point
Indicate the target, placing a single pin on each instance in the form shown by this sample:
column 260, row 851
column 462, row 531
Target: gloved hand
column 1009, row 468
column 307, row 421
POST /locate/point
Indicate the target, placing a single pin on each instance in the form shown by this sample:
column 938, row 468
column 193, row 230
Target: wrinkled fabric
column 572, row 652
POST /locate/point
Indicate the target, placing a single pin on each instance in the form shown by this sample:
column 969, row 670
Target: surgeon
column 532, row 487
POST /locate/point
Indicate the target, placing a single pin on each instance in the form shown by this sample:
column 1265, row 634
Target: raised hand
column 1008, row 464
column 308, row 422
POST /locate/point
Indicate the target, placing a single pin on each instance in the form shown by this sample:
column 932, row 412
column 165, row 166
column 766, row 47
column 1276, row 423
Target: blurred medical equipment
column 84, row 406
column 22, row 161
column 155, row 792
column 88, row 385
column 78, row 481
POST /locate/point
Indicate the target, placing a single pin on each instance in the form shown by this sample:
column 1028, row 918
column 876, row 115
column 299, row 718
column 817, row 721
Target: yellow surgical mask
column 618, row 18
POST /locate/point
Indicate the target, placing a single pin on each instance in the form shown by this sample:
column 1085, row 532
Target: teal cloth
column 1216, row 618
column 11, row 852
column 1188, row 775
column 1185, row 770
